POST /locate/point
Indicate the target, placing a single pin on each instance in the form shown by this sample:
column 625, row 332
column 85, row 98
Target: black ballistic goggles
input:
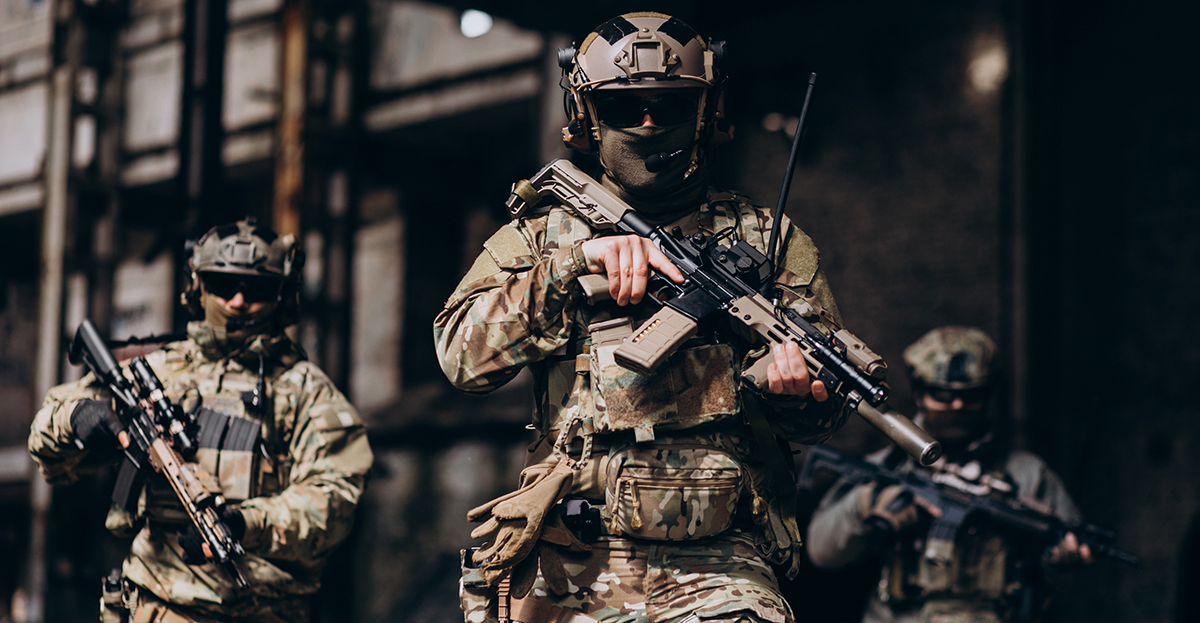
column 254, row 289
column 626, row 110
column 973, row 396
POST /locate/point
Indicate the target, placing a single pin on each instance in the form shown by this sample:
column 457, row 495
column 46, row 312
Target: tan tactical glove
column 545, row 554
column 516, row 525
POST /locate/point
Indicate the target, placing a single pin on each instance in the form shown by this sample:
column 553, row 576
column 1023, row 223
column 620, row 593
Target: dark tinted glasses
column 254, row 289
column 972, row 396
column 626, row 110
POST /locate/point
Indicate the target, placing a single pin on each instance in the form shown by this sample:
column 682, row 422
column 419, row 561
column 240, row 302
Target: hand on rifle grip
column 95, row 424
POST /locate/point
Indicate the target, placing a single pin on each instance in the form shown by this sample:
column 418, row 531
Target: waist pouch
column 670, row 492
column 695, row 386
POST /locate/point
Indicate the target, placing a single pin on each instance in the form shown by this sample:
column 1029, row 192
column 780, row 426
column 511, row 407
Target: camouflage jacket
column 520, row 306
column 297, row 491
column 838, row 537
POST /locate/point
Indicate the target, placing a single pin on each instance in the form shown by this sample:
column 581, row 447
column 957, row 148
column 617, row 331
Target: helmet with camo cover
column 951, row 357
column 244, row 248
column 637, row 51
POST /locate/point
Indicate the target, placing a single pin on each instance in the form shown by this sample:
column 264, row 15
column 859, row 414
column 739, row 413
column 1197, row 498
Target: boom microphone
column 656, row 162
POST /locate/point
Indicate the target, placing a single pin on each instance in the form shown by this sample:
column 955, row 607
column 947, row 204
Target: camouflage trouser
column 150, row 609
column 714, row 580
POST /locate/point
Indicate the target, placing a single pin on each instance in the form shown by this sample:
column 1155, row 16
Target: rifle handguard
column 654, row 341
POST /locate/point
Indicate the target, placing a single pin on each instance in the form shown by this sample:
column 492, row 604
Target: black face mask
column 623, row 153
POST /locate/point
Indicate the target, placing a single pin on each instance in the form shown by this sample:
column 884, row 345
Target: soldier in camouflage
column 292, row 483
column 951, row 371
column 645, row 498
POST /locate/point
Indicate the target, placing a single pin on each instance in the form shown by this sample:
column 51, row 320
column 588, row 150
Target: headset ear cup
column 722, row 129
column 190, row 298
column 575, row 134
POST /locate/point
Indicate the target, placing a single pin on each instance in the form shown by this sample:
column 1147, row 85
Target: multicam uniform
column 297, row 489
column 670, row 457
column 978, row 585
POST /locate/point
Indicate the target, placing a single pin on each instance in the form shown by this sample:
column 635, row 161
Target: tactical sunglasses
column 254, row 289
column 973, row 396
column 626, row 110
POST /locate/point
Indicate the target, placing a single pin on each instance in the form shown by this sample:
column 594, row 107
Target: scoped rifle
column 963, row 503
column 723, row 279
column 156, row 435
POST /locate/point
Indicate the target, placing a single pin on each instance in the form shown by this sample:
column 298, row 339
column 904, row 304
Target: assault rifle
column 723, row 279
column 156, row 437
column 964, row 502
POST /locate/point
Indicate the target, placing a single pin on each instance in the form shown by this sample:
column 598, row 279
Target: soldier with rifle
column 677, row 335
column 241, row 462
column 968, row 538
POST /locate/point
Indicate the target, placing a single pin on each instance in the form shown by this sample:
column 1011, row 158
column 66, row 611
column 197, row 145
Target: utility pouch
column 113, row 608
column 694, row 386
column 672, row 492
column 477, row 600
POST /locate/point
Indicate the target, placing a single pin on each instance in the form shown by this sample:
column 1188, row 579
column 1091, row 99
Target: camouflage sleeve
column 803, row 420
column 1035, row 479
column 52, row 440
column 513, row 308
column 837, row 534
column 331, row 458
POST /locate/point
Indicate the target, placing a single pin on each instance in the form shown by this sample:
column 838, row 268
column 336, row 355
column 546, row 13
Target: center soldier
column 644, row 498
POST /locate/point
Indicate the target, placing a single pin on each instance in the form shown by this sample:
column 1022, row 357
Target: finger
column 626, row 272
column 819, row 393
column 796, row 364
column 929, row 507
column 1085, row 554
column 781, row 364
column 661, row 263
column 612, row 267
column 641, row 270
column 774, row 382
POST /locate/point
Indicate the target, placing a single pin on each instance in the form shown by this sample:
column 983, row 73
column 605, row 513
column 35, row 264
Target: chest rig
column 975, row 565
column 244, row 426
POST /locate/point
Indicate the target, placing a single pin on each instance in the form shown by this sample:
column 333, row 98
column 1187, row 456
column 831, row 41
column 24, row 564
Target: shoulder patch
column 802, row 258
column 507, row 244
column 335, row 418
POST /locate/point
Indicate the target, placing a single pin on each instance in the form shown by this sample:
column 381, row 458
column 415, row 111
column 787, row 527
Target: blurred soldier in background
column 645, row 498
column 951, row 371
column 292, row 482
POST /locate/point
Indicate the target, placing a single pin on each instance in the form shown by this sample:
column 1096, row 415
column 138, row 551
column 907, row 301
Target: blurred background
column 1028, row 167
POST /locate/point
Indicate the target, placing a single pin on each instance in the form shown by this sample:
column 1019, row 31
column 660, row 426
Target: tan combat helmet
column 643, row 50
column 244, row 248
column 955, row 358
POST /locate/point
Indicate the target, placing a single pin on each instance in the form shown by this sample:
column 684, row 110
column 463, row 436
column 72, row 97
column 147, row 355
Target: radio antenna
column 783, row 192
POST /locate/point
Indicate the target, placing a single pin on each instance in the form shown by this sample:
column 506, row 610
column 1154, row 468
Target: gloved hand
column 892, row 507
column 514, row 522
column 193, row 544
column 95, row 424
column 546, row 555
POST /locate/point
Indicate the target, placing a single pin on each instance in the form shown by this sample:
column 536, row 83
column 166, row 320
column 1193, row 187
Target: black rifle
column 156, row 436
column 964, row 503
column 723, row 279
